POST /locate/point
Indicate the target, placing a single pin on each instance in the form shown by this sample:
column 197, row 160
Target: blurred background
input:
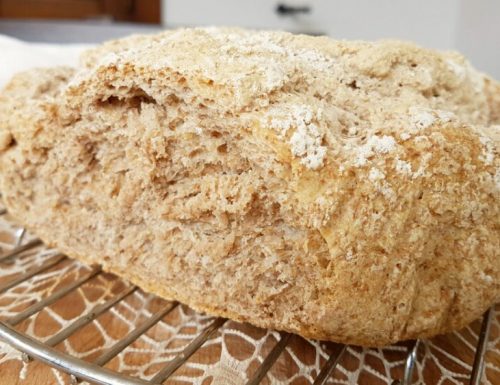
column 469, row 26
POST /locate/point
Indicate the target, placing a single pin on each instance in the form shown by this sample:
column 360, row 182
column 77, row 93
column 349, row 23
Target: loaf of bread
column 346, row 191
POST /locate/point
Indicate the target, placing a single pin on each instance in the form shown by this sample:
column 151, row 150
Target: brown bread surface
column 346, row 191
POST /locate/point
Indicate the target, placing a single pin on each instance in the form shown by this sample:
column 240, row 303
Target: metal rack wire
column 97, row 373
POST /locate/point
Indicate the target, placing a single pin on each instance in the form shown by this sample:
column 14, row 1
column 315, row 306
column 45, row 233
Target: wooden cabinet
column 142, row 11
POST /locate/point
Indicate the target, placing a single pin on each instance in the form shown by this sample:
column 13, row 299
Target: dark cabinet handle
column 290, row 10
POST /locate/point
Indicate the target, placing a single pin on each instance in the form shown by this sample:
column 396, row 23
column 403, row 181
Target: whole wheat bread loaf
column 346, row 191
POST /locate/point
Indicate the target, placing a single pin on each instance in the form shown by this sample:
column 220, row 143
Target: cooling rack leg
column 410, row 362
column 482, row 344
column 20, row 236
column 32, row 272
column 19, row 249
column 330, row 365
column 188, row 351
column 270, row 360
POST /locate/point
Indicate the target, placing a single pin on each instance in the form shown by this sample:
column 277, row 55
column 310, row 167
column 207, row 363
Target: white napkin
column 17, row 55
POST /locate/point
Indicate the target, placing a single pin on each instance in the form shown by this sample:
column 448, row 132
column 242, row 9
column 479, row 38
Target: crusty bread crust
column 340, row 190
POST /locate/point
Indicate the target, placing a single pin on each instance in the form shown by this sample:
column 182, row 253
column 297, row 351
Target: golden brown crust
column 492, row 89
column 340, row 190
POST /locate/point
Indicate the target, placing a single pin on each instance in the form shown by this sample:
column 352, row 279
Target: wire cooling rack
column 96, row 369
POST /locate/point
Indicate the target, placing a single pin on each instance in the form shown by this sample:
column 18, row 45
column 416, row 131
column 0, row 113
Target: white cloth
column 17, row 55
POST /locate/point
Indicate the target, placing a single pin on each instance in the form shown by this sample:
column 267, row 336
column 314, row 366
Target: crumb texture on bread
column 340, row 190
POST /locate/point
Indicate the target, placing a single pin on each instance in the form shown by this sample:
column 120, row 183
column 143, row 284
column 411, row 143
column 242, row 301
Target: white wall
column 478, row 34
column 472, row 27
